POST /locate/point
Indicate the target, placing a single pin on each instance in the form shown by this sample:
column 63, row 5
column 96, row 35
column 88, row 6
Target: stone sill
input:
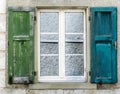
column 62, row 86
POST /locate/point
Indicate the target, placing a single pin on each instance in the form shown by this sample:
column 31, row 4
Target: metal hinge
column 89, row 73
column 34, row 73
column 8, row 43
column 89, row 18
column 35, row 18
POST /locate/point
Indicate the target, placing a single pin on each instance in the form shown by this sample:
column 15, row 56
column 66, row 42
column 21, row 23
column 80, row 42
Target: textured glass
column 74, row 37
column 49, row 48
column 49, row 22
column 74, row 22
column 74, row 48
column 74, row 66
column 49, row 37
column 49, row 66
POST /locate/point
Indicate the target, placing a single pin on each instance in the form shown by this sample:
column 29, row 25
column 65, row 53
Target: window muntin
column 61, row 39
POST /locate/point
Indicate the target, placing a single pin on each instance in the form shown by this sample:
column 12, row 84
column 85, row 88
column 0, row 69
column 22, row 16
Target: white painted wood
column 50, row 41
column 75, row 33
column 38, row 42
column 48, row 33
column 61, row 77
column 49, row 54
column 85, row 46
column 62, row 44
column 74, row 54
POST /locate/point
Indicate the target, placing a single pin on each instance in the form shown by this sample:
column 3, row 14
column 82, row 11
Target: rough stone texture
column 2, row 60
column 117, row 91
column 23, row 91
column 49, row 2
column 2, row 79
column 2, row 22
column 105, row 2
column 2, row 41
column 2, row 6
column 12, row 91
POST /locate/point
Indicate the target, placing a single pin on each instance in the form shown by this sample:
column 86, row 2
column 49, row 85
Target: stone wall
column 2, row 42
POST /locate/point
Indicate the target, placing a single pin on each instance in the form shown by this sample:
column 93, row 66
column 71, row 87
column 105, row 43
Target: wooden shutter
column 103, row 45
column 20, row 45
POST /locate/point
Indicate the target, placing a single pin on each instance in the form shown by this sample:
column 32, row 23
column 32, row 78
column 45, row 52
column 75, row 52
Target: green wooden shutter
column 103, row 45
column 20, row 45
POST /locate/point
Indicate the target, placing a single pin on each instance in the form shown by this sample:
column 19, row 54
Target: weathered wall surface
column 15, row 89
column 2, row 42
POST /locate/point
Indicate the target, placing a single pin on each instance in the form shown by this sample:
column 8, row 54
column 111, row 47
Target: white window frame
column 61, row 77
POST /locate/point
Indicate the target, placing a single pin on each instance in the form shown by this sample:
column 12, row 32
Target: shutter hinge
column 10, row 80
column 35, row 18
column 8, row 43
column 89, row 73
column 89, row 18
column 34, row 73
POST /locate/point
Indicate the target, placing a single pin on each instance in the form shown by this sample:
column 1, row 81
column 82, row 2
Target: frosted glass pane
column 49, row 48
column 74, row 48
column 75, row 37
column 49, row 37
column 49, row 22
column 74, row 66
column 74, row 22
column 49, row 66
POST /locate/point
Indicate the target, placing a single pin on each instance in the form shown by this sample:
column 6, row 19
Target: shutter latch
column 115, row 44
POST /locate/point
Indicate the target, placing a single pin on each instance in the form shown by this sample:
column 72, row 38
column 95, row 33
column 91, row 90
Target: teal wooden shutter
column 20, row 45
column 103, row 45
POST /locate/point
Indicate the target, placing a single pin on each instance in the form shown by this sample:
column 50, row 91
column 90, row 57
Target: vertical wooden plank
column 114, row 47
column 31, row 26
column 10, row 50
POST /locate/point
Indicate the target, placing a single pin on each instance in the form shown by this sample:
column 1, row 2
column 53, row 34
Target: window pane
column 73, row 48
column 49, row 37
column 74, row 37
column 74, row 66
column 49, row 48
column 49, row 28
column 49, row 66
column 74, row 22
column 49, row 22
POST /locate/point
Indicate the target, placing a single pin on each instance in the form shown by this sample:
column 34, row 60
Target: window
column 61, row 46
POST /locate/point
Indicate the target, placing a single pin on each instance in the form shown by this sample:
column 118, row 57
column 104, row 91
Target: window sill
column 62, row 86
